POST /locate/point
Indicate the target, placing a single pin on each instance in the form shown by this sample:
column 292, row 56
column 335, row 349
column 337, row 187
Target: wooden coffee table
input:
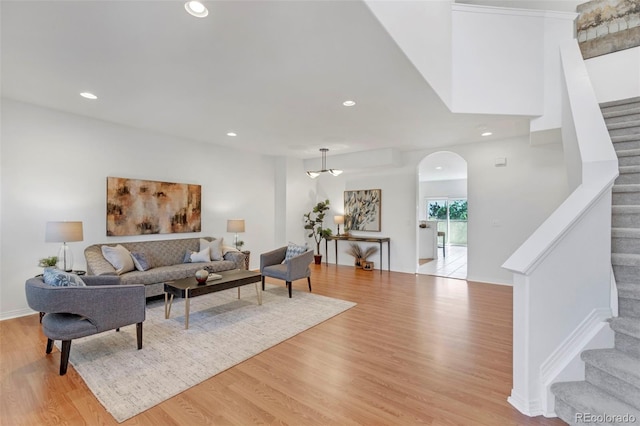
column 188, row 288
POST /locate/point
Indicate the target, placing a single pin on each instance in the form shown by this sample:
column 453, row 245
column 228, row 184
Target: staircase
column 612, row 385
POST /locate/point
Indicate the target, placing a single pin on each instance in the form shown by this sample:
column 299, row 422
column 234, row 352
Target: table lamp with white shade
column 339, row 220
column 235, row 226
column 64, row 232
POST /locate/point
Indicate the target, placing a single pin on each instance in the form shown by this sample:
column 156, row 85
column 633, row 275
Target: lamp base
column 65, row 258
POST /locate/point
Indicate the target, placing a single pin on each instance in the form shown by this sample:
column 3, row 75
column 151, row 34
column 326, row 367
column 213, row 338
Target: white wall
column 622, row 83
column 505, row 204
column 54, row 167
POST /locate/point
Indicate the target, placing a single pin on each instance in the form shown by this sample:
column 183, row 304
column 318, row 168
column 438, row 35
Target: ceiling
column 274, row 72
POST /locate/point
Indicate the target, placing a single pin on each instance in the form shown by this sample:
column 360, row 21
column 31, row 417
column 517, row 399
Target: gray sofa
column 167, row 262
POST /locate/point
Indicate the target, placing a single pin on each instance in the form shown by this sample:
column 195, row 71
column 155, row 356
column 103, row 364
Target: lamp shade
column 63, row 232
column 235, row 225
column 339, row 219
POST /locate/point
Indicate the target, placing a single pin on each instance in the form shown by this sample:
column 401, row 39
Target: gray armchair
column 295, row 269
column 74, row 312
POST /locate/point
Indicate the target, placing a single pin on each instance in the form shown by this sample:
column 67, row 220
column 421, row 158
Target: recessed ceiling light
column 88, row 95
column 196, row 9
column 486, row 134
column 349, row 103
column 232, row 134
column 439, row 168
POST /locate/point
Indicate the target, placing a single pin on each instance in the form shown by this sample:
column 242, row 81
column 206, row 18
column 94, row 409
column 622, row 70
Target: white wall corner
column 530, row 407
column 546, row 136
column 565, row 363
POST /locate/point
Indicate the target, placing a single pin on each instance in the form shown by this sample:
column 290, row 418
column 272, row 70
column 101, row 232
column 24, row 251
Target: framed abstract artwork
column 362, row 210
column 137, row 207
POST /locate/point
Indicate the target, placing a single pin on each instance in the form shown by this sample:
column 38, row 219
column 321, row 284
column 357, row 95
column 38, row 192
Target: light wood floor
column 416, row 349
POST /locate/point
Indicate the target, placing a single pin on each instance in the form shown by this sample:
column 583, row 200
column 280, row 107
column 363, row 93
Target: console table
column 381, row 240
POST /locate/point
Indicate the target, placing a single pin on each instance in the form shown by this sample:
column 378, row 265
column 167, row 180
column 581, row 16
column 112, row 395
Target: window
column 451, row 215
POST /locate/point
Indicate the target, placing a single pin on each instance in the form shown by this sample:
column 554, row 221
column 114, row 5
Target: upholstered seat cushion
column 276, row 271
column 67, row 326
column 174, row 272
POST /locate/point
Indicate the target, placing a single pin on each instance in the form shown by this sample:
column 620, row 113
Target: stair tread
column 614, row 362
column 626, row 101
column 625, row 259
column 624, row 138
column 587, row 398
column 625, row 232
column 628, row 326
column 628, row 152
column 624, row 125
column 626, row 187
column 625, row 208
column 632, row 109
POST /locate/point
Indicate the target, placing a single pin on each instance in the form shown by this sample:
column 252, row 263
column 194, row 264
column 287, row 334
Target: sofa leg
column 289, row 287
column 139, row 334
column 309, row 281
column 263, row 283
column 49, row 345
column 64, row 359
column 117, row 329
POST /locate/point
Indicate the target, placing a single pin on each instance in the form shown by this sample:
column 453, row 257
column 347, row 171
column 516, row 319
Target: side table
column 247, row 254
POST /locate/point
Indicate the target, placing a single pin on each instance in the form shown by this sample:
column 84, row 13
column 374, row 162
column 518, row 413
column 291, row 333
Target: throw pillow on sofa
column 140, row 261
column 59, row 278
column 119, row 257
column 197, row 256
column 215, row 248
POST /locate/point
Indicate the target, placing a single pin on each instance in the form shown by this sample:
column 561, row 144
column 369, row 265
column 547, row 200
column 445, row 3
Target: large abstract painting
column 606, row 26
column 136, row 207
column 362, row 210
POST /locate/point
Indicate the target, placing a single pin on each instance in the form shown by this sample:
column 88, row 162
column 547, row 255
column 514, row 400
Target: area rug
column 223, row 331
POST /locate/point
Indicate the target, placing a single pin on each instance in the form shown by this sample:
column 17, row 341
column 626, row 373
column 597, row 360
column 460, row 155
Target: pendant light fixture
column 315, row 174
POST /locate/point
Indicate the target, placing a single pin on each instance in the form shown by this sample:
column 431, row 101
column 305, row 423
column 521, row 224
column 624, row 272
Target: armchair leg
column 309, row 281
column 49, row 345
column 64, row 359
column 139, row 334
column 289, row 287
column 263, row 283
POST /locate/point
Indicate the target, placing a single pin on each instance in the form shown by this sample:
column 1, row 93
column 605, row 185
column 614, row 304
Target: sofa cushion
column 173, row 272
column 200, row 256
column 119, row 257
column 215, row 248
column 59, row 278
column 140, row 261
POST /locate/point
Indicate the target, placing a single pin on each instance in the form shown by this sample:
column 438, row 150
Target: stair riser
column 625, row 245
column 628, row 308
column 625, row 220
column 631, row 144
column 626, row 274
column 565, row 412
column 629, row 161
column 627, row 178
column 628, row 344
column 619, row 388
column 625, row 198
column 631, row 115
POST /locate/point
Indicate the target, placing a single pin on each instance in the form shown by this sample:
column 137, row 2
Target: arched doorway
column 442, row 215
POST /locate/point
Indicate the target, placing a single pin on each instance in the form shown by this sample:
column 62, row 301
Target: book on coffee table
column 213, row 276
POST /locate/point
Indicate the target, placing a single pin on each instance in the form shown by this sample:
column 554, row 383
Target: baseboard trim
column 16, row 313
column 531, row 408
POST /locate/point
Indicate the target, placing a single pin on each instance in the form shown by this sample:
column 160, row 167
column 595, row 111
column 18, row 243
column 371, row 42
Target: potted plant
column 48, row 262
column 313, row 223
column 360, row 255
